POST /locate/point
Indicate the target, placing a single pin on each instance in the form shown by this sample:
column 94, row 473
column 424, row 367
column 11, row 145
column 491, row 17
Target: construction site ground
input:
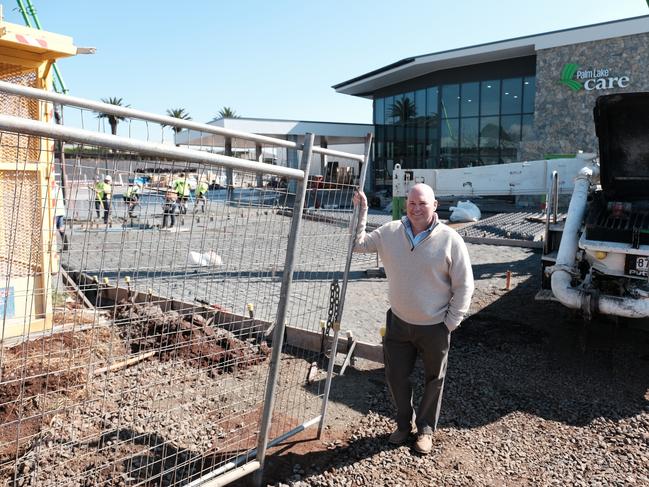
column 532, row 397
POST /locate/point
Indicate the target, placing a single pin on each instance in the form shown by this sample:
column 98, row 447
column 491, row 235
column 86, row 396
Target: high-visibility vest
column 182, row 187
column 103, row 189
column 132, row 191
column 201, row 189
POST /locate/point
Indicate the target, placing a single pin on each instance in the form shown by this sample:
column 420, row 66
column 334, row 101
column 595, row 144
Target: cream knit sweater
column 429, row 283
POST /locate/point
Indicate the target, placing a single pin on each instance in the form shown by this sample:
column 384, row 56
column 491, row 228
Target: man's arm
column 462, row 285
column 363, row 242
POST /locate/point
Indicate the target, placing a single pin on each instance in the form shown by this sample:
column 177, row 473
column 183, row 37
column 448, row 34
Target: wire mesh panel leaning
column 140, row 297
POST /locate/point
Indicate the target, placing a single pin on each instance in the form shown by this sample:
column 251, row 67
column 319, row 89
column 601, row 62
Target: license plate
column 636, row 265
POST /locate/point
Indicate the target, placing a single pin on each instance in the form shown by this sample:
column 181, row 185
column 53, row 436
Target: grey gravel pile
column 528, row 401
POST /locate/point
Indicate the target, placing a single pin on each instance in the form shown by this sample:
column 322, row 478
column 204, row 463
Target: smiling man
column 430, row 284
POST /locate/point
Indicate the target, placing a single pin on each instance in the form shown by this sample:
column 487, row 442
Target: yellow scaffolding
column 27, row 200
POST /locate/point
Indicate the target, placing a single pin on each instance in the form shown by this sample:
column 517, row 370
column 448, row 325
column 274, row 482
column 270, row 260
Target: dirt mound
column 39, row 377
column 173, row 335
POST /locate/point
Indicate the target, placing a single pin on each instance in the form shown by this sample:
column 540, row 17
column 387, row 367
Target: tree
column 403, row 110
column 113, row 120
column 177, row 113
column 227, row 112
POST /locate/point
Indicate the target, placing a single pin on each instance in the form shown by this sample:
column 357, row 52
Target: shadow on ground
column 518, row 354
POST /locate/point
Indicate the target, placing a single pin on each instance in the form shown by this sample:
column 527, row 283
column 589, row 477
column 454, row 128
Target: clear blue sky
column 279, row 59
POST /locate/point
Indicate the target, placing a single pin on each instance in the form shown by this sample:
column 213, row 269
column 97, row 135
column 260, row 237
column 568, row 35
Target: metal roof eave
column 430, row 64
column 409, row 68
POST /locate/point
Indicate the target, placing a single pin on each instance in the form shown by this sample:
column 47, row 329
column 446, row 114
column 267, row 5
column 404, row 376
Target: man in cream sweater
column 430, row 284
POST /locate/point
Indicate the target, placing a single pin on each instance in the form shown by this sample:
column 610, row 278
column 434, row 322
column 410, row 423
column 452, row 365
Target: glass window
column 431, row 101
column 420, row 107
column 448, row 150
column 409, row 110
column 450, row 101
column 529, row 90
column 432, row 147
column 489, row 140
column 469, row 106
column 379, row 111
column 526, row 127
column 511, row 128
column 421, row 146
column 421, row 155
column 389, row 119
column 512, row 94
column 490, row 97
column 402, row 109
column 510, row 136
column 469, row 142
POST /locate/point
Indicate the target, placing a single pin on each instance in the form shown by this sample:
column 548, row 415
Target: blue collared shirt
column 416, row 240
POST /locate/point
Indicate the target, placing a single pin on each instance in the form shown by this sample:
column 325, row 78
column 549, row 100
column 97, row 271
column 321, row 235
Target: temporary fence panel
column 168, row 361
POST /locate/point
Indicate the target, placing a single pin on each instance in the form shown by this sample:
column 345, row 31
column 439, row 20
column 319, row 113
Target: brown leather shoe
column 424, row 443
column 399, row 437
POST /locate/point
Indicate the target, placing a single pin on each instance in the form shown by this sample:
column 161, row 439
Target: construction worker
column 169, row 207
column 103, row 196
column 201, row 195
column 181, row 186
column 132, row 197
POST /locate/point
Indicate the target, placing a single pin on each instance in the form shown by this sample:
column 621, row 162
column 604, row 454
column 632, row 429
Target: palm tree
column 113, row 120
column 177, row 113
column 403, row 109
column 227, row 112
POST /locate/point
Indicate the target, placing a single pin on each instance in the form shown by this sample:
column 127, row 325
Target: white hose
column 561, row 274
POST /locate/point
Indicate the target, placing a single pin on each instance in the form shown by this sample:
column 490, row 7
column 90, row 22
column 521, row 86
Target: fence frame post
column 285, row 293
column 343, row 288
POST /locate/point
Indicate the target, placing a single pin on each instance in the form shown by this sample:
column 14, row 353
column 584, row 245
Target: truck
column 596, row 260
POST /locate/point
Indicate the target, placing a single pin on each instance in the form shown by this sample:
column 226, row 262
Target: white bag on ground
column 465, row 211
column 207, row 259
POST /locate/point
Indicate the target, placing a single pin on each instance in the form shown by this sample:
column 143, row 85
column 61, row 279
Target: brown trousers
column 401, row 344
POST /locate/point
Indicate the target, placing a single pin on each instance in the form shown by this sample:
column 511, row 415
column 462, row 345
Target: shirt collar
column 415, row 239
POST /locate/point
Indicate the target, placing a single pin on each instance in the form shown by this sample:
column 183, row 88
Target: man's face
column 421, row 206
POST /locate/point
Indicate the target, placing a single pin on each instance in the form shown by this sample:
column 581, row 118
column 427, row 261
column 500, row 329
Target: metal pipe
column 555, row 196
column 343, row 288
column 23, row 12
column 285, row 292
column 231, row 475
column 549, row 197
column 32, row 127
column 125, row 112
column 561, row 274
column 243, row 458
column 331, row 152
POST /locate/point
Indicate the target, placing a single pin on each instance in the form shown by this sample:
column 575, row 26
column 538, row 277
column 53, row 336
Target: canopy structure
column 326, row 133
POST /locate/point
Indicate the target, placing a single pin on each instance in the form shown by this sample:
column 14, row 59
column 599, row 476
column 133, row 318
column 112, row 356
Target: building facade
column 520, row 99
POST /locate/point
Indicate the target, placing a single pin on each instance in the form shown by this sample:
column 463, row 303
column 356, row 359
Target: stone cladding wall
column 563, row 119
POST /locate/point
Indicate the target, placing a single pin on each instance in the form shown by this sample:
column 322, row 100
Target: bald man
column 430, row 284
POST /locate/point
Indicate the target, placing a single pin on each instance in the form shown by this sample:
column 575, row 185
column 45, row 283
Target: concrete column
column 229, row 176
column 323, row 157
column 293, row 161
column 260, row 158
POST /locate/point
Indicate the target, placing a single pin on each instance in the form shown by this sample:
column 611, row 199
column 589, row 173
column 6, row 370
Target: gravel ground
column 530, row 399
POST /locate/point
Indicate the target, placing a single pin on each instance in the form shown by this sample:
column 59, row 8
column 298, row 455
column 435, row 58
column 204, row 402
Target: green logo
column 567, row 74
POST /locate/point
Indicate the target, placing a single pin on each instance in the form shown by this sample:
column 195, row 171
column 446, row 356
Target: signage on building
column 590, row 79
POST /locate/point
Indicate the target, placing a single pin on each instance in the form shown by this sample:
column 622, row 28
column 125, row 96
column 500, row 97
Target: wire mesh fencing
column 158, row 301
